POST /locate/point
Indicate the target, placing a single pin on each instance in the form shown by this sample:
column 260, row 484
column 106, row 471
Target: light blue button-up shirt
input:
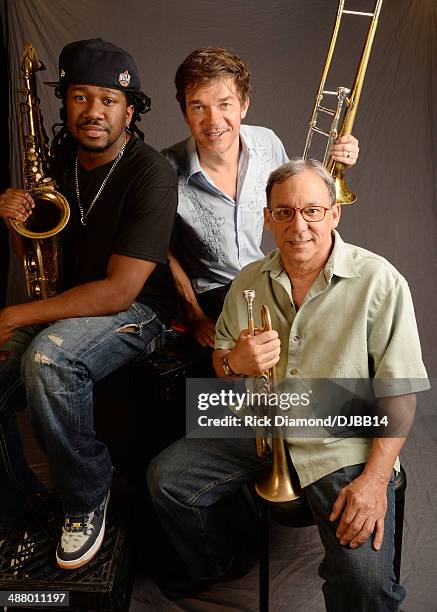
column 215, row 236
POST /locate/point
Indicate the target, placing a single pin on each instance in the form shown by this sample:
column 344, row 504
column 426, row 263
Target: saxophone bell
column 48, row 218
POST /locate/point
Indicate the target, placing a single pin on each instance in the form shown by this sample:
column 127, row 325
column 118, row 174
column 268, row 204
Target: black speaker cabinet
column 140, row 409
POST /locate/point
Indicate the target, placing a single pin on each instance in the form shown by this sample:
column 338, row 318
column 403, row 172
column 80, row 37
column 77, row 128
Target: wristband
column 227, row 368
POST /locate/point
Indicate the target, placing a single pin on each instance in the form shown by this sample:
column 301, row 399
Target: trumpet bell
column 277, row 486
column 275, row 490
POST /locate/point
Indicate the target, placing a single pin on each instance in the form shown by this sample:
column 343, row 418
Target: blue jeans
column 188, row 478
column 59, row 366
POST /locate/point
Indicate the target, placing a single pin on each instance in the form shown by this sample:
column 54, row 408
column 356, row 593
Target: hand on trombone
column 252, row 355
column 345, row 150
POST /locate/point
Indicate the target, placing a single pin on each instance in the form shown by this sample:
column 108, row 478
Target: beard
column 94, row 147
column 87, row 144
column 90, row 148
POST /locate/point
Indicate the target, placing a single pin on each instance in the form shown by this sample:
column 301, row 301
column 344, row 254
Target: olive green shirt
column 356, row 321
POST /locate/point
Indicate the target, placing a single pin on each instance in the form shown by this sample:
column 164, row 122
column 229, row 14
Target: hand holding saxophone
column 252, row 355
column 15, row 204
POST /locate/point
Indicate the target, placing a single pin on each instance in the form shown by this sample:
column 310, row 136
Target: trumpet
column 277, row 485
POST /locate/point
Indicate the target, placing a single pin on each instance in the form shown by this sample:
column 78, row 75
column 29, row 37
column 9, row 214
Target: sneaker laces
column 74, row 529
column 73, row 525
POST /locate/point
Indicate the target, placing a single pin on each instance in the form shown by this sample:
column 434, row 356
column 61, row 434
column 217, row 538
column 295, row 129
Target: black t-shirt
column 133, row 216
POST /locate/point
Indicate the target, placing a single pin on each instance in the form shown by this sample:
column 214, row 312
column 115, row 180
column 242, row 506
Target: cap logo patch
column 124, row 78
column 62, row 74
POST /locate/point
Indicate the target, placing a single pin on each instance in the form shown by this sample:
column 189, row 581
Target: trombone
column 277, row 485
column 345, row 98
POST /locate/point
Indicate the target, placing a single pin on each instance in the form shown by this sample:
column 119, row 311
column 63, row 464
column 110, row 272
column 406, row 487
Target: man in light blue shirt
column 219, row 235
column 222, row 171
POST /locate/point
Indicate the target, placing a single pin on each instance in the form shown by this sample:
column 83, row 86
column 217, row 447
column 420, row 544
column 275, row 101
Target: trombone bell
column 343, row 194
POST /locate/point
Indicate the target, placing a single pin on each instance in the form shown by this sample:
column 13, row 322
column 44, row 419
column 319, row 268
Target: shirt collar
column 193, row 162
column 273, row 263
column 340, row 262
column 245, row 146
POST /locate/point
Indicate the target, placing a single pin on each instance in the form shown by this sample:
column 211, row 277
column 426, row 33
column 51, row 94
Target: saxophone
column 41, row 252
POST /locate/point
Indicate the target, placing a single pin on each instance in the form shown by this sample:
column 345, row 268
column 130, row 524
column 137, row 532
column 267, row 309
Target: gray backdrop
column 285, row 43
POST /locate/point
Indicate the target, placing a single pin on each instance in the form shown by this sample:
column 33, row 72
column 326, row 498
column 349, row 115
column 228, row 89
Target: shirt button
column 296, row 338
column 294, row 371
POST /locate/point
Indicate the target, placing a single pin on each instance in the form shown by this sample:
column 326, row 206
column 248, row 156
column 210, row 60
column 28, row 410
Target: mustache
column 91, row 123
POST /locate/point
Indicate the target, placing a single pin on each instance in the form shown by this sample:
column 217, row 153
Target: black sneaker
column 82, row 537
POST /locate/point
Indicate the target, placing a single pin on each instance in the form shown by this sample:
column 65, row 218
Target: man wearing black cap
column 122, row 196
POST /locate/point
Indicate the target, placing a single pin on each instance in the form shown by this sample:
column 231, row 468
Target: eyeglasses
column 311, row 214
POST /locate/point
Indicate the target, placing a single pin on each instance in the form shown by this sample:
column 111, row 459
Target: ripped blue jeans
column 58, row 367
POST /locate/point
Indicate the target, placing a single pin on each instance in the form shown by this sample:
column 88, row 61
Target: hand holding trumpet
column 252, row 355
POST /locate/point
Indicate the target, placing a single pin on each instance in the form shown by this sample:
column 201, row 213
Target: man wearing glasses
column 338, row 312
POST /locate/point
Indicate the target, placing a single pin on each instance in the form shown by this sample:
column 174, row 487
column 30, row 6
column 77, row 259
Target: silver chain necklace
column 84, row 215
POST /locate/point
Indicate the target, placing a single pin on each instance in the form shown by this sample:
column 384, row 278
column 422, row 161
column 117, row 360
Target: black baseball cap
column 97, row 62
